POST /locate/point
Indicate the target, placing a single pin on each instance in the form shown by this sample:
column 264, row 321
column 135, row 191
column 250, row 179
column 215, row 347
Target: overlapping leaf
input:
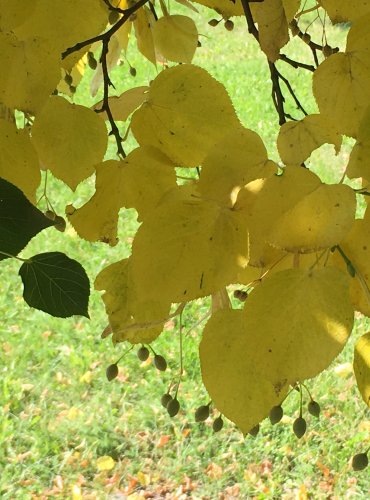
column 176, row 38
column 361, row 366
column 122, row 106
column 186, row 112
column 358, row 165
column 138, row 182
column 272, row 26
column 130, row 317
column 341, row 11
column 233, row 373
column 320, row 220
column 18, row 159
column 297, row 139
column 70, row 139
column 188, row 248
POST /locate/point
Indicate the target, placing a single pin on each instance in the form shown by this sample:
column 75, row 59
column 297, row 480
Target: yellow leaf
column 70, row 139
column 18, row 159
column 235, row 160
column 131, row 317
column 122, row 106
column 356, row 247
column 233, row 376
column 262, row 203
column 139, row 181
column 12, row 14
column 181, row 114
column 272, row 26
column 144, row 479
column 178, row 250
column 341, row 89
column 291, row 7
column 113, row 58
column 224, row 7
column 105, row 463
column 297, row 140
column 358, row 165
column 314, row 316
column 176, row 38
column 32, row 72
column 66, row 23
column 320, row 220
column 361, row 366
column 341, row 11
column 143, row 24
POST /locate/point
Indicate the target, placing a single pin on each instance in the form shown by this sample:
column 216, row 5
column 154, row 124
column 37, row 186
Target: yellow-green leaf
column 359, row 165
column 361, row 366
column 291, row 7
column 70, row 139
column 302, row 319
column 297, row 139
column 131, row 318
column 272, row 26
column 31, row 71
column 176, row 38
column 122, row 106
column 144, row 33
column 224, row 7
column 181, row 114
column 105, row 463
column 188, row 248
column 18, row 159
column 341, row 11
column 234, row 161
column 233, row 372
column 320, row 220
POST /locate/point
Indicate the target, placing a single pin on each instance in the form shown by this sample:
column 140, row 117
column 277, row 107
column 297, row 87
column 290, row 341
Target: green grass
column 59, row 414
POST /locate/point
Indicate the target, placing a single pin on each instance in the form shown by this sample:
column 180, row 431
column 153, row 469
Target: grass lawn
column 58, row 413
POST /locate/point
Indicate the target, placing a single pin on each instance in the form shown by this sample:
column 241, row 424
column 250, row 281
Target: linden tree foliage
column 287, row 246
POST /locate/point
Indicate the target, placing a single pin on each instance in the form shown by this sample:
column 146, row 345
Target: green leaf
column 55, row 284
column 20, row 221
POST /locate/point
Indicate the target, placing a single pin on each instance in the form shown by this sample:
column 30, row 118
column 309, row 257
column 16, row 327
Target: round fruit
column 113, row 17
column 255, row 430
column 314, row 408
column 294, row 27
column 276, row 414
column 60, row 223
column 173, row 407
column 299, row 427
column 327, row 50
column 229, row 25
column 50, row 214
column 72, row 89
column 202, row 413
column 143, row 353
column 68, row 79
column 160, row 363
column 217, row 425
column 213, row 22
column 165, row 399
column 241, row 295
column 112, row 372
column 360, row 461
column 132, row 71
column 306, row 37
column 91, row 61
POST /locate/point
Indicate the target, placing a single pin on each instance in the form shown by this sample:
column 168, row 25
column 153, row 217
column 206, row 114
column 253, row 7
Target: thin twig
column 296, row 64
column 292, row 93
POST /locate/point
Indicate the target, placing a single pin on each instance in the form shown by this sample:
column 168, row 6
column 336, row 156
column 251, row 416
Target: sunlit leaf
column 176, row 38
column 361, row 366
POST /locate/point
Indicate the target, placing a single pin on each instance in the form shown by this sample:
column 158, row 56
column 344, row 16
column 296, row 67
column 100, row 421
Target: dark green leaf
column 56, row 284
column 20, row 221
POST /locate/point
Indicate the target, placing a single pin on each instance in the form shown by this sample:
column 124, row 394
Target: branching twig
column 292, row 93
column 105, row 39
column 296, row 64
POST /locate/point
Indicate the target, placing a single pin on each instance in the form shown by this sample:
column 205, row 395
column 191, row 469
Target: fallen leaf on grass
column 163, row 440
column 105, row 463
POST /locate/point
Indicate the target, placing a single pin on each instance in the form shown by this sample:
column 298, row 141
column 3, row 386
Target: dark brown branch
column 292, row 93
column 108, row 34
column 249, row 18
column 277, row 93
column 105, row 106
column 296, row 64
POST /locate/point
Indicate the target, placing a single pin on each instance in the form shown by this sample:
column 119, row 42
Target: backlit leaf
column 122, row 106
column 297, row 139
column 320, row 220
column 341, row 11
column 358, row 165
column 233, row 375
column 143, row 24
column 18, row 159
column 361, row 366
column 56, row 284
column 273, row 27
column 70, row 139
column 181, row 114
column 176, row 38
column 178, row 249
